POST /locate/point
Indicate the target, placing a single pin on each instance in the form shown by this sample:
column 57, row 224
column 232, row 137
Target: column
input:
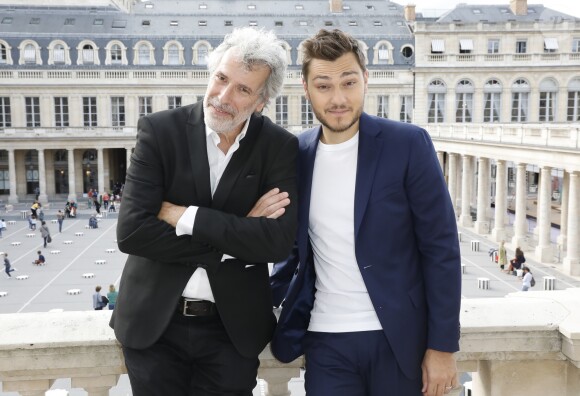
column 482, row 222
column 466, row 179
column 521, row 210
column 452, row 179
column 572, row 259
column 128, row 150
column 101, row 170
column 498, row 233
column 440, row 156
column 564, row 212
column 42, row 176
column 13, row 197
column 72, row 192
column 544, row 251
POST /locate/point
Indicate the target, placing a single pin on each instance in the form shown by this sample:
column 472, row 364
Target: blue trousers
column 354, row 364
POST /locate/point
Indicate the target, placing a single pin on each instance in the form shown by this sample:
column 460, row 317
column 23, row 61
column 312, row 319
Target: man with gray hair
column 209, row 200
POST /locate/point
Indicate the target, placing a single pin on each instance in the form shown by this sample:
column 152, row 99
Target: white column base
column 519, row 241
column 13, row 199
column 498, row 235
column 43, row 198
column 561, row 241
column 545, row 254
column 571, row 266
column 481, row 227
column 72, row 197
column 465, row 220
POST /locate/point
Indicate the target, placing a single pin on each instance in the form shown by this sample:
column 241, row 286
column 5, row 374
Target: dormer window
column 251, row 6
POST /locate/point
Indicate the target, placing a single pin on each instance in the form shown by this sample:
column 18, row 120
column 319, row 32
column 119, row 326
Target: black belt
column 194, row 307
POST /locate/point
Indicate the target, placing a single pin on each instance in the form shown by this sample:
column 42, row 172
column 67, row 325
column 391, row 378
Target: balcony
column 534, row 60
column 523, row 344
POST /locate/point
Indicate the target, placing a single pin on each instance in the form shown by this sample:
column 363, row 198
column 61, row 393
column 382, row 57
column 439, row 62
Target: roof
column 502, row 13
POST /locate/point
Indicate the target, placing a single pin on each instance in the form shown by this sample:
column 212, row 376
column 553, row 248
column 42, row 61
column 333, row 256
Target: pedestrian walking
column 7, row 266
column 60, row 219
column 45, row 233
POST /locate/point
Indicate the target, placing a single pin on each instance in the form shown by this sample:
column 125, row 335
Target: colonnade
column 463, row 200
column 17, row 172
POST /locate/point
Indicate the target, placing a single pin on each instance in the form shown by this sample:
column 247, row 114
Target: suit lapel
column 307, row 157
column 237, row 163
column 196, row 141
column 369, row 150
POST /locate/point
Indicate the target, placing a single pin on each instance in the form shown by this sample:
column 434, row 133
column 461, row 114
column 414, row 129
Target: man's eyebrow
column 344, row 74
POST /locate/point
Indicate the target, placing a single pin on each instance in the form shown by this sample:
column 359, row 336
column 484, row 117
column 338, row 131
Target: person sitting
column 517, row 262
column 40, row 260
column 93, row 223
column 32, row 222
column 112, row 206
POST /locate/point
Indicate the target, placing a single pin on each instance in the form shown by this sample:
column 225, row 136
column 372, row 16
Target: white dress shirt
column 198, row 285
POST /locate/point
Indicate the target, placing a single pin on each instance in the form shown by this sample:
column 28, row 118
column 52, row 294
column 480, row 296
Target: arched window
column 202, row 54
column 58, row 53
column 88, row 53
column 383, row 53
column 574, row 100
column 520, row 100
column 492, row 101
column 173, row 55
column 116, row 54
column 548, row 98
column 464, row 101
column 29, row 54
column 5, row 57
column 436, row 101
column 143, row 53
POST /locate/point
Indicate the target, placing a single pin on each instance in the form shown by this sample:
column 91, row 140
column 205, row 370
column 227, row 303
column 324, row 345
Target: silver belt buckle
column 185, row 301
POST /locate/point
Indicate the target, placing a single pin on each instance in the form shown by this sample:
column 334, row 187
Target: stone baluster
column 31, row 387
column 96, row 386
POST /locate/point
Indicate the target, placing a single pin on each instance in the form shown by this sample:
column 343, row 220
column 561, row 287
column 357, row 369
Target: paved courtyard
column 79, row 258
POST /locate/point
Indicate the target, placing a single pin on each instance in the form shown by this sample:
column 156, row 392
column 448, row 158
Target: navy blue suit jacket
column 405, row 244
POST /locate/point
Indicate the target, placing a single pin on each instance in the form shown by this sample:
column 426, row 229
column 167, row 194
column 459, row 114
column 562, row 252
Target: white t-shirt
column 342, row 302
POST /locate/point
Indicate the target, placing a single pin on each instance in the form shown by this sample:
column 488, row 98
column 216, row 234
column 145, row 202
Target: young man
column 374, row 303
column 40, row 260
column 194, row 308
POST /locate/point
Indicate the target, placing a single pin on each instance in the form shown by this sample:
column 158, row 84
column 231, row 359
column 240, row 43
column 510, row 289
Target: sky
column 428, row 7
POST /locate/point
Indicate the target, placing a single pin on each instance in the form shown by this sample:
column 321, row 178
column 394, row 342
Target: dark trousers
column 354, row 364
column 194, row 357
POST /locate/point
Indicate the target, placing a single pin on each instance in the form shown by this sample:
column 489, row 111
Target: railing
column 524, row 344
column 536, row 59
column 556, row 136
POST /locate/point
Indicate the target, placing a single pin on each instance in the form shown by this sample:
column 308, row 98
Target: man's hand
column 439, row 373
column 271, row 205
column 170, row 213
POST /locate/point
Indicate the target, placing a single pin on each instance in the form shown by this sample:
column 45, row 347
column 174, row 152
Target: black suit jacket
column 170, row 164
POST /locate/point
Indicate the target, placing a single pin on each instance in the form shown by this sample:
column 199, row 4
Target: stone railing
column 524, row 344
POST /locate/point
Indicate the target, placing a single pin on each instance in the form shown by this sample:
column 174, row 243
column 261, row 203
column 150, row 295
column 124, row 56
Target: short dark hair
column 329, row 46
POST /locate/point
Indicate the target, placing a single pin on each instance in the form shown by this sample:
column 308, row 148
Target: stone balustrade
column 523, row 344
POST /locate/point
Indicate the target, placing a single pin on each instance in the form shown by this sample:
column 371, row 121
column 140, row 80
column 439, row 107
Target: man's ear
column 261, row 106
column 305, row 86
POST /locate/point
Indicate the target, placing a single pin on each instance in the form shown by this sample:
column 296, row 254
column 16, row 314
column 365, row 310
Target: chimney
column 335, row 5
column 410, row 13
column 519, row 7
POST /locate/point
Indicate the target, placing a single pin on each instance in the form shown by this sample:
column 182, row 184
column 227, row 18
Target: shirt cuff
column 186, row 221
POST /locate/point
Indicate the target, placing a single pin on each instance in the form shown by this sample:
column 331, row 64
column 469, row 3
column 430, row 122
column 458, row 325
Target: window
column 32, row 106
column 3, row 54
column 173, row 102
column 251, row 6
column 89, row 111
column 406, row 114
column 303, row 23
column 118, row 111
column 98, row 22
column 437, row 46
column 29, row 53
column 253, row 23
column 492, row 101
column 202, row 54
column 58, row 54
column 328, row 23
column 576, row 45
column 493, row 46
column 173, row 55
column 548, row 97
column 203, row 6
column 144, row 54
column 34, row 21
column 573, row 100
column 282, row 111
column 69, row 21
column 407, row 51
column 436, row 101
column 377, row 23
column 61, row 112
column 464, row 101
column 278, row 23
column 520, row 100
column 352, row 23
column 116, row 54
column 550, row 45
column 465, row 46
column 145, row 107
column 383, row 57
column 521, row 46
column 383, row 106
column 174, row 23
column 7, row 21
column 202, row 23
column 146, row 22
column 5, row 117
column 306, row 114
column 88, row 54
column 228, row 23
column 299, row 7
